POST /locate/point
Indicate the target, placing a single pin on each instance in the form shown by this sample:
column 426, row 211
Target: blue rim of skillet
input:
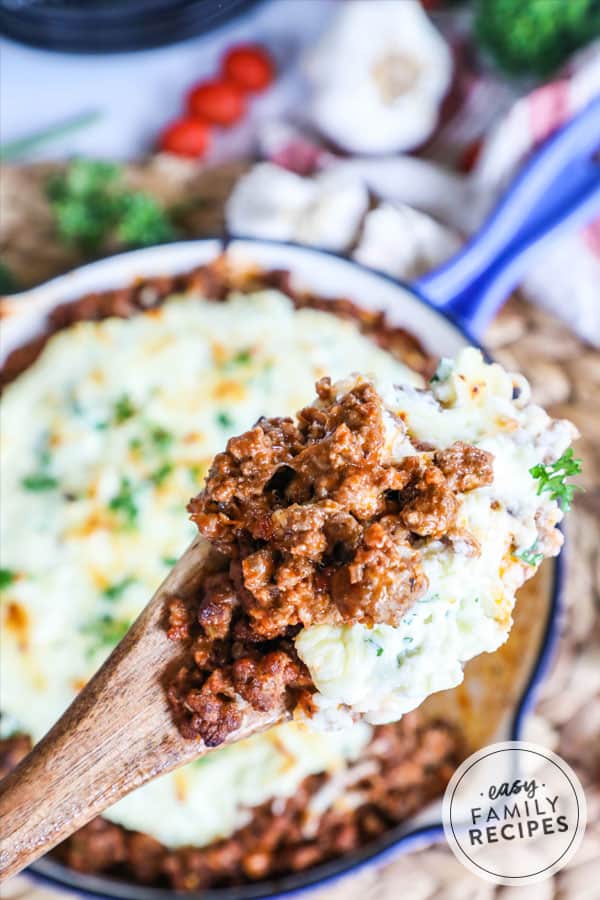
column 392, row 843
column 556, row 191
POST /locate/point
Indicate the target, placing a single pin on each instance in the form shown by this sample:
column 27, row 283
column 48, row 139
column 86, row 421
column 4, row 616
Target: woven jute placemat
column 565, row 376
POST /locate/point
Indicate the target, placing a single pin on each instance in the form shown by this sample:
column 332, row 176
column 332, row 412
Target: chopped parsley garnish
column 42, row 480
column 124, row 503
column 224, row 420
column 169, row 561
column 116, row 590
column 39, row 481
column 124, row 409
column 105, row 632
column 378, row 647
column 241, row 358
column 7, row 577
column 552, row 478
column 160, row 437
column 529, row 555
column 161, row 474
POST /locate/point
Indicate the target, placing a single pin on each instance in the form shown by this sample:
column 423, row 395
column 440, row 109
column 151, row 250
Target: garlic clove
column 271, row 202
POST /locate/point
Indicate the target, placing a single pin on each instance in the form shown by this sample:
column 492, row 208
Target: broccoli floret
column 535, row 36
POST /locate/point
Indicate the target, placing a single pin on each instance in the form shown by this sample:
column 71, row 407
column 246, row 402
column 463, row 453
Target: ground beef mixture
column 405, row 766
column 319, row 525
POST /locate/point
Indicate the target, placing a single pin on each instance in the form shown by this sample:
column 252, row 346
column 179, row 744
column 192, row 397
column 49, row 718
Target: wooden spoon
column 117, row 734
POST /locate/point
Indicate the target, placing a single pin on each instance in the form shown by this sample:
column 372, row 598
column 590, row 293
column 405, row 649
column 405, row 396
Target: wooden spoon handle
column 117, row 734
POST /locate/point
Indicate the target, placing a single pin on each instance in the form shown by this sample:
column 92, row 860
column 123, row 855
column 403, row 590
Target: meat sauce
column 319, row 525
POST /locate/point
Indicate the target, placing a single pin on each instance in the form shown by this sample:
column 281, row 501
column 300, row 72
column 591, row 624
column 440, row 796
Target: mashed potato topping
column 383, row 671
column 104, row 439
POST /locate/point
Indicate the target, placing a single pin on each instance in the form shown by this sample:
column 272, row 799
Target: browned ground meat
column 319, row 525
column 405, row 766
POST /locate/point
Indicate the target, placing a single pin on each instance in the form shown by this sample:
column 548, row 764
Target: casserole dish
column 484, row 706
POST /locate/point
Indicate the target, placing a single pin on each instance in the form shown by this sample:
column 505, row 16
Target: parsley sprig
column 552, row 478
column 123, row 503
column 93, row 208
column 115, row 591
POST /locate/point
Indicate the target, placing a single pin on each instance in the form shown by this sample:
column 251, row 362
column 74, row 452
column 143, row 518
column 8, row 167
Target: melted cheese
column 382, row 672
column 104, row 439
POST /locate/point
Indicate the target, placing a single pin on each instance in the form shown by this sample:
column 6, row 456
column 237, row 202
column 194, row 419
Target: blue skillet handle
column 558, row 190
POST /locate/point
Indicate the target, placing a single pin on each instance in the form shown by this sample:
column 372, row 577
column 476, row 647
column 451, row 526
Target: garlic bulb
column 379, row 75
column 404, row 242
column 271, row 202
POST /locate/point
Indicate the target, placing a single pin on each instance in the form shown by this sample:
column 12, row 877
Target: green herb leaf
column 105, row 632
column 39, row 481
column 124, row 503
column 116, row 590
column 160, row 437
column 552, row 478
column 529, row 555
column 224, row 420
column 7, row 577
column 241, row 358
column 16, row 149
column 124, row 409
column 378, row 647
column 161, row 474
column 169, row 561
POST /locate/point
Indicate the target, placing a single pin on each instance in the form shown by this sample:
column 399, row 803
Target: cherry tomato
column 249, row 66
column 220, row 102
column 186, row 137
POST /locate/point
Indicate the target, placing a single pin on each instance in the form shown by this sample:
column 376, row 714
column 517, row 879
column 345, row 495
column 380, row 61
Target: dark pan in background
column 113, row 26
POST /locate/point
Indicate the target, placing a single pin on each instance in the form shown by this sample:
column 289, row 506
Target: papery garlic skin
column 379, row 75
column 271, row 202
